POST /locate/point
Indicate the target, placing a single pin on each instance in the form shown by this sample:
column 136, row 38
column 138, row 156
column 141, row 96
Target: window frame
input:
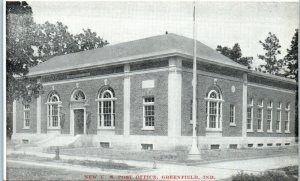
column 146, row 104
column 25, row 118
column 279, row 130
column 232, row 116
column 101, row 101
column 250, row 106
column 260, row 106
column 50, row 107
column 219, row 112
column 287, row 111
column 270, row 118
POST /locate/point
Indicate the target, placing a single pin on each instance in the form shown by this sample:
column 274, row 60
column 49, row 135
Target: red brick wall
column 20, row 117
column 160, row 93
column 90, row 88
column 203, row 86
column 258, row 93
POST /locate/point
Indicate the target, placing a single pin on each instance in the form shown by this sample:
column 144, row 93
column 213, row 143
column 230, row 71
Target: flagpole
column 194, row 153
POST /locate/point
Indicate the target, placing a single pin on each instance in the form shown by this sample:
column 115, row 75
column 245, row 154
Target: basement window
column 278, row 144
column 250, row 145
column 270, row 144
column 260, row 145
column 25, row 141
column 214, row 147
column 233, row 146
column 104, row 144
column 287, row 144
column 147, row 146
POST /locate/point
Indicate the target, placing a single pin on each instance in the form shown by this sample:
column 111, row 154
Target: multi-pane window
column 250, row 115
column 106, row 108
column 27, row 116
column 53, row 110
column 259, row 119
column 232, row 114
column 148, row 106
column 214, row 110
column 287, row 118
column 260, row 115
column 278, row 117
column 269, row 116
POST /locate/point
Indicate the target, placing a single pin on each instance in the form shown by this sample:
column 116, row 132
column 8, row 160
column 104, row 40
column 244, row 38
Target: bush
column 266, row 176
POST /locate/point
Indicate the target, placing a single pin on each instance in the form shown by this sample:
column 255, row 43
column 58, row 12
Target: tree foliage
column 272, row 47
column 291, row 59
column 20, row 29
column 235, row 54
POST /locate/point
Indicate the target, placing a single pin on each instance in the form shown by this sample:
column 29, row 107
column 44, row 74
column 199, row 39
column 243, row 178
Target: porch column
column 14, row 117
column 38, row 114
column 245, row 92
column 126, row 100
column 174, row 97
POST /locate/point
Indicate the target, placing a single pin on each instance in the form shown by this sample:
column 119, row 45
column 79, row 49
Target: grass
column 277, row 175
column 99, row 164
column 178, row 155
column 20, row 172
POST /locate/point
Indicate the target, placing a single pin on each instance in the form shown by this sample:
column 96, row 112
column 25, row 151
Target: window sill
column 269, row 131
column 250, row 131
column 26, row 128
column 232, row 124
column 51, row 128
column 213, row 129
column 287, row 132
column 106, row 128
column 278, row 132
column 148, row 128
column 260, row 131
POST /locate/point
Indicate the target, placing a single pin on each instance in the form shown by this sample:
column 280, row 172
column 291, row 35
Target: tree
column 235, row 54
column 272, row 47
column 291, row 61
column 89, row 40
column 28, row 44
column 20, row 29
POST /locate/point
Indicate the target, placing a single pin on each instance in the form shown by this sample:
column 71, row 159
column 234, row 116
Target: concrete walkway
column 218, row 171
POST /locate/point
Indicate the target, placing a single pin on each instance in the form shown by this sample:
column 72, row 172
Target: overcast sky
column 218, row 23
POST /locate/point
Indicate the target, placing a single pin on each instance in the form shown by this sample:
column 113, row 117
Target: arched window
column 78, row 95
column 53, row 110
column 214, row 110
column 106, row 108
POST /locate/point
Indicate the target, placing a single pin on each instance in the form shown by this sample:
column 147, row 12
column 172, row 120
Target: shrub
column 266, row 176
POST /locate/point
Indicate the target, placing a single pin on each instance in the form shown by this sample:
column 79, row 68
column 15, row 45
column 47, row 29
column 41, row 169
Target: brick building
column 138, row 95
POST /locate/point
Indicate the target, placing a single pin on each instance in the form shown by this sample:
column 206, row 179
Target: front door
column 79, row 121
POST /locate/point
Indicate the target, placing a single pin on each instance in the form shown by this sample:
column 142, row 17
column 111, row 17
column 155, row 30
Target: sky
column 217, row 23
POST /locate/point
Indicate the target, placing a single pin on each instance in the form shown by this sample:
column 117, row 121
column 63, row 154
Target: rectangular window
column 232, row 114
column 27, row 116
column 249, row 118
column 287, row 121
column 278, row 117
column 269, row 119
column 278, row 120
column 148, row 106
column 259, row 119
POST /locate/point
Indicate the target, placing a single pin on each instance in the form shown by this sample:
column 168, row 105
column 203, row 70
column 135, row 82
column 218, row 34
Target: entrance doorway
column 79, row 121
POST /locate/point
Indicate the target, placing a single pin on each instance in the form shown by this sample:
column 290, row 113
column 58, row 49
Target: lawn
column 179, row 155
column 22, row 172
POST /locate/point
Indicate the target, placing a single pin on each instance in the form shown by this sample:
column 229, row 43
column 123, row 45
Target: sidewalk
column 219, row 171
